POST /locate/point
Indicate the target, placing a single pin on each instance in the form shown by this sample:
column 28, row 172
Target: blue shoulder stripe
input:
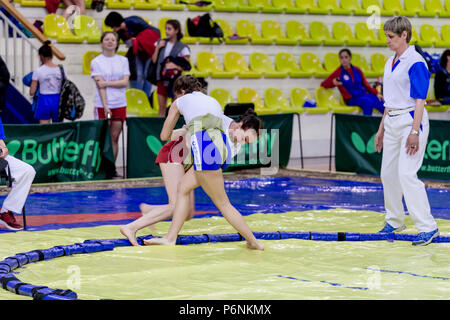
column 419, row 77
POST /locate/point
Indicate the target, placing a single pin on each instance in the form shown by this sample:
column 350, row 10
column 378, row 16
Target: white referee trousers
column 23, row 175
column 399, row 174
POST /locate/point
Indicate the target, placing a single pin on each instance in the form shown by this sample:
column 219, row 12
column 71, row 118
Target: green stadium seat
column 208, row 62
column 328, row 98
column 265, row 6
column 378, row 61
column 138, row 104
column 118, row 4
column 88, row 56
column 367, row 3
column 332, row 7
column 331, row 61
column 416, row 7
column 223, row 96
column 145, row 4
column 272, row 30
column 285, row 62
column 429, row 32
column 396, row 7
column 275, row 99
column 298, row 96
column 295, row 30
column 319, row 31
column 86, row 28
column 260, row 62
column 311, row 63
column 361, row 62
column 228, row 32
column 236, row 63
column 287, row 6
column 247, row 28
column 363, row 33
column 247, row 95
column 56, row 27
column 310, row 7
column 354, row 7
column 342, row 31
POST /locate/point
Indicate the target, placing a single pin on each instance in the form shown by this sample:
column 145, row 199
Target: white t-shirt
column 111, row 69
column 197, row 104
column 169, row 46
column 49, row 79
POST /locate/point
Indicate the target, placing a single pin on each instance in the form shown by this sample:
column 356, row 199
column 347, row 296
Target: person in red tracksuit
column 353, row 86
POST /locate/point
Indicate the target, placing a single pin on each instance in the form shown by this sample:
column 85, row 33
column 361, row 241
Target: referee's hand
column 5, row 152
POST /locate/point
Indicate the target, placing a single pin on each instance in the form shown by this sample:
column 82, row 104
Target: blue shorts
column 208, row 156
column 47, row 107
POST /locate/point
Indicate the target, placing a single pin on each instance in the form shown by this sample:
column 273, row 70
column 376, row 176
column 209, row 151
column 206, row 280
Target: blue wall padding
column 25, row 290
column 92, row 247
column 56, row 297
column 352, row 236
column 404, row 236
column 106, row 245
column 4, row 269
column 295, row 235
column 73, row 249
column 373, row 236
column 192, row 239
column 267, row 235
column 324, row 236
column 11, row 285
column 441, row 239
column 224, row 237
column 21, row 258
column 12, row 263
column 33, row 256
column 121, row 242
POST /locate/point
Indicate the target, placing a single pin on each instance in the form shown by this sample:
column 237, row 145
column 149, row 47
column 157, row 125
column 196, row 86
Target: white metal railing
column 19, row 52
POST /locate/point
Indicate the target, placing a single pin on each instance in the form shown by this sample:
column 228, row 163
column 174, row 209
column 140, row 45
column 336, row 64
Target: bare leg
column 162, row 102
column 116, row 129
column 181, row 212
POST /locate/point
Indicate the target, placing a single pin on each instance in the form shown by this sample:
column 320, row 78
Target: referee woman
column 403, row 134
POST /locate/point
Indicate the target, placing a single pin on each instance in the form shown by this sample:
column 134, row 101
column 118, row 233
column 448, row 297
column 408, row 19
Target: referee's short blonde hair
column 397, row 25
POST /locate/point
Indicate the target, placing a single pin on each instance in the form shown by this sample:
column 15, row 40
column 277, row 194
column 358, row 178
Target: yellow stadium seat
column 223, row 96
column 295, row 30
column 247, row 95
column 265, row 6
column 286, row 62
column 32, row 3
column 361, row 62
column 206, row 7
column 367, row 3
column 435, row 6
column 381, row 34
column 208, row 62
column 118, row 4
column 396, row 7
column 86, row 28
column 194, row 72
column 88, row 56
column 319, row 31
column 342, row 31
column 447, row 8
column 354, row 7
column 416, row 7
column 311, row 63
column 236, row 63
column 275, row 99
column 363, row 33
column 272, row 30
column 445, row 33
column 145, row 4
column 331, row 62
column 260, row 62
column 246, row 28
column 170, row 5
column 310, row 6
column 429, row 32
column 328, row 98
column 378, row 61
column 298, row 96
column 416, row 39
column 287, row 6
column 55, row 26
column 234, row 5
column 228, row 32
column 138, row 104
column 333, row 7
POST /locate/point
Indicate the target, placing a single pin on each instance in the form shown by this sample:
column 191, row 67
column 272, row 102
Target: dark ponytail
column 45, row 50
column 250, row 121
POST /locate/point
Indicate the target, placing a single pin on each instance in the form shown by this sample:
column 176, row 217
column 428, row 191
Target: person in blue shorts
column 210, row 153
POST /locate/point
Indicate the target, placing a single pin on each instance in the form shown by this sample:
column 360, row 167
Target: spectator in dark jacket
column 442, row 79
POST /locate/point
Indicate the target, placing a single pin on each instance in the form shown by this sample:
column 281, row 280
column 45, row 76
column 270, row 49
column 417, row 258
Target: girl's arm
column 102, row 92
column 170, row 122
column 33, row 87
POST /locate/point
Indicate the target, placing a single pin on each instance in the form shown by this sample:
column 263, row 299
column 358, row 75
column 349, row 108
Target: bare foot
column 131, row 236
column 158, row 241
column 255, row 246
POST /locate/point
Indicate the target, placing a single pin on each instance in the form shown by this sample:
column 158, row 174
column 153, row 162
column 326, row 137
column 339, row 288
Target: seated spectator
column 53, row 5
column 141, row 38
column 353, row 86
column 442, row 79
column 48, row 77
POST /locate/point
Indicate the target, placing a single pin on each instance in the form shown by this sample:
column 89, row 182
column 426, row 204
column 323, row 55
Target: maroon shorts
column 161, row 89
column 172, row 152
column 118, row 114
